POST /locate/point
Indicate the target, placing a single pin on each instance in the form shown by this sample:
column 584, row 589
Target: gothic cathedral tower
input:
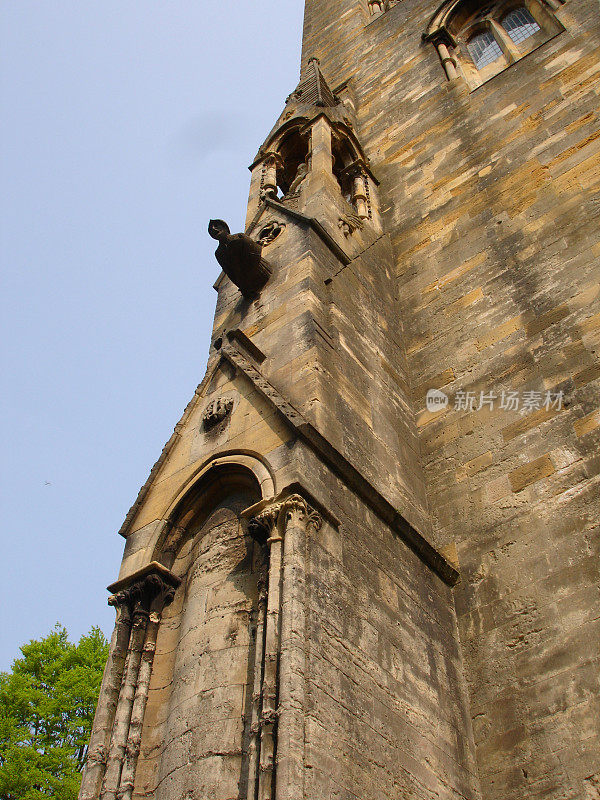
column 364, row 566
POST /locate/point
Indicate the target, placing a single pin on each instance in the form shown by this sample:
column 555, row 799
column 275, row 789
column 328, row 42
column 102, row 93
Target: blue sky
column 125, row 127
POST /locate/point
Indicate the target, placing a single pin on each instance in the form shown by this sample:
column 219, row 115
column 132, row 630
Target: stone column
column 259, row 650
column 277, row 757
column 321, row 157
column 256, row 191
column 448, row 61
column 265, row 525
column 116, row 753
column 136, row 723
column 268, row 186
column 360, row 191
column 116, row 733
column 107, row 703
column 298, row 518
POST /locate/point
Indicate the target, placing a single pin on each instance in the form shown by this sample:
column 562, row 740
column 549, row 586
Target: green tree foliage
column 47, row 706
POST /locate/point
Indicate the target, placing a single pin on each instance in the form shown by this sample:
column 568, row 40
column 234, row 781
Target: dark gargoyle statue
column 240, row 258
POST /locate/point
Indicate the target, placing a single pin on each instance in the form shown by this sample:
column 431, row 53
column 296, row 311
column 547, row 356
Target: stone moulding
column 302, row 218
column 324, row 449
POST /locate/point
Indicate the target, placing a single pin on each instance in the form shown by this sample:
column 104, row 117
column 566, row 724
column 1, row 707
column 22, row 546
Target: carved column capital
column 263, row 527
column 292, row 508
column 358, row 169
column 273, row 159
column 150, row 589
column 296, row 509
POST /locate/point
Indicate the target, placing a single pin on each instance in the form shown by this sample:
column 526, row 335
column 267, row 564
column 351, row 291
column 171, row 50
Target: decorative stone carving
column 266, row 520
column 270, row 232
column 140, row 595
column 299, row 177
column 296, row 508
column 349, row 223
column 216, row 411
column 240, row 258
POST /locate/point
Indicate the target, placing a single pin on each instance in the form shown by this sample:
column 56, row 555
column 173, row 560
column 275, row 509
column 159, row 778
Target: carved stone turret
column 240, row 258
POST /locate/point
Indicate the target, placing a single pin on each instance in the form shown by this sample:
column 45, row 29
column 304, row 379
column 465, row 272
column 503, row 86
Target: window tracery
column 476, row 41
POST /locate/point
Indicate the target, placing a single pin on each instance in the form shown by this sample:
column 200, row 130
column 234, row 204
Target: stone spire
column 313, row 89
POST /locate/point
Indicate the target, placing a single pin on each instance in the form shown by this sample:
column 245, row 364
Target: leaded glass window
column 484, row 49
column 519, row 24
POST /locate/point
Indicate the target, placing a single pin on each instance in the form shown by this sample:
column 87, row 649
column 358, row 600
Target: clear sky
column 125, row 126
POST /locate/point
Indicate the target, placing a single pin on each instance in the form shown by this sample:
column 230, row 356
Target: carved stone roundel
column 270, row 232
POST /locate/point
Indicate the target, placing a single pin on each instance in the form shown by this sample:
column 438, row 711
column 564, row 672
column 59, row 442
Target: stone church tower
column 364, row 566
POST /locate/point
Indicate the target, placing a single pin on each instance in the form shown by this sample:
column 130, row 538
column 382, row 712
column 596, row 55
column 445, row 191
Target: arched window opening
column 294, row 162
column 519, row 24
column 353, row 177
column 308, row 151
column 477, row 41
column 484, row 49
column 343, row 157
column 198, row 504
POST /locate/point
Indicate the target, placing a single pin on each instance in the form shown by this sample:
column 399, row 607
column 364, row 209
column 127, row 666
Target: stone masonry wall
column 387, row 711
column 492, row 199
column 332, row 349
